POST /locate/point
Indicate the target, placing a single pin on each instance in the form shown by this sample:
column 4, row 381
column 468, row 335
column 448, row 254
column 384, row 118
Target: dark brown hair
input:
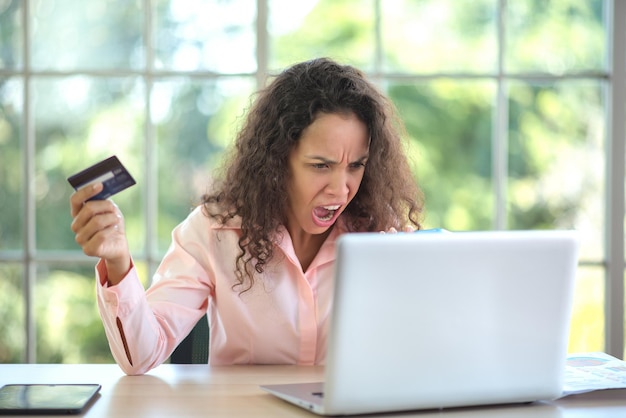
column 254, row 184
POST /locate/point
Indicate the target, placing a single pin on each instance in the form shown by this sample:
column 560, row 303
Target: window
column 514, row 110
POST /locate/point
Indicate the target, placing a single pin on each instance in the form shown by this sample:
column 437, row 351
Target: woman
column 320, row 155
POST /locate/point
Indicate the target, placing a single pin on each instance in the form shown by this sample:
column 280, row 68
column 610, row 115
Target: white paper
column 586, row 372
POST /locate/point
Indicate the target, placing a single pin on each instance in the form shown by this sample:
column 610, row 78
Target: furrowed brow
column 321, row 159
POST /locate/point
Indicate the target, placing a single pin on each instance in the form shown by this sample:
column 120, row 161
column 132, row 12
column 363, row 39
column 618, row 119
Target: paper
column 586, row 372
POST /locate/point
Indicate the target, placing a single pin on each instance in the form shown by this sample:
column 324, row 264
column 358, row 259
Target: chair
column 194, row 349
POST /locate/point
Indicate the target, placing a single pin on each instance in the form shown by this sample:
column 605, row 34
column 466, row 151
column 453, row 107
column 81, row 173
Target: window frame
column 614, row 77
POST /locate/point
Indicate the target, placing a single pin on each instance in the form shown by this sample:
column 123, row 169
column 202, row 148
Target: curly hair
column 254, row 183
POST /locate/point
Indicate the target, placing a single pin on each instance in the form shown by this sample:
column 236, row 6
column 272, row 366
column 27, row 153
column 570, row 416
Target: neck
column 306, row 246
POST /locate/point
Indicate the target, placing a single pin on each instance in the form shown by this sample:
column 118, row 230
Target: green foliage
column 12, row 329
column 342, row 30
column 555, row 36
column 450, row 124
column 69, row 329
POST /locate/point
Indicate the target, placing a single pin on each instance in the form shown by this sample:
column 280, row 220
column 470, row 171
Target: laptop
column 429, row 321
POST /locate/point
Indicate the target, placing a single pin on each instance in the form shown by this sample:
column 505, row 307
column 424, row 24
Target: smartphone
column 46, row 399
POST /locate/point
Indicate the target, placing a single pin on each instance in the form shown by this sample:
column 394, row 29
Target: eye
column 319, row 166
column 358, row 165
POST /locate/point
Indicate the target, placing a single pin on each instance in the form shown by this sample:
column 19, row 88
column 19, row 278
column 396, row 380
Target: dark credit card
column 110, row 172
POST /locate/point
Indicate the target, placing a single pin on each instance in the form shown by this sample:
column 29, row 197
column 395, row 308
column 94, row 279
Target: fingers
column 95, row 218
column 98, row 226
column 108, row 244
column 79, row 197
column 96, row 215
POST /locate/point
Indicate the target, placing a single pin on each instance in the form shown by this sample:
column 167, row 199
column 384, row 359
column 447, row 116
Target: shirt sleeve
column 143, row 328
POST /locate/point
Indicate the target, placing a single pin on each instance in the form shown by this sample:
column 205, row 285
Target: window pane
column 429, row 36
column 449, row 123
column 555, row 36
column 94, row 35
column 12, row 326
column 79, row 121
column 11, row 40
column 215, row 36
column 556, row 160
column 587, row 325
column 195, row 122
column 68, row 330
column 11, row 168
column 339, row 29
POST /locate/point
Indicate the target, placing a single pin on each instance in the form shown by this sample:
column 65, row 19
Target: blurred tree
column 12, row 329
column 449, row 123
column 69, row 330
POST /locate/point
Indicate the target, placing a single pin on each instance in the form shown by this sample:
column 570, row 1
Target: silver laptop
column 425, row 321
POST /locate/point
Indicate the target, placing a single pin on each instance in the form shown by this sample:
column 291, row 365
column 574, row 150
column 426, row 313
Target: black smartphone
column 46, row 399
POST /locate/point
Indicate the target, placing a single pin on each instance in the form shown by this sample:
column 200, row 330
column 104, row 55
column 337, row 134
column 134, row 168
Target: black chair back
column 194, row 349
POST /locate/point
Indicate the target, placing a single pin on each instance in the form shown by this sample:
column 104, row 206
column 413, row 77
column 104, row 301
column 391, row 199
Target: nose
column 339, row 184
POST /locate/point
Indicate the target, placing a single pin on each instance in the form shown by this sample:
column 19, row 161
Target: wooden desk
column 203, row 391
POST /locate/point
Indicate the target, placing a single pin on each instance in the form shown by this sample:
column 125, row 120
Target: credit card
column 110, row 172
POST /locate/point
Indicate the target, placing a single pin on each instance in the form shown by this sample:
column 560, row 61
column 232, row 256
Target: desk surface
column 203, row 391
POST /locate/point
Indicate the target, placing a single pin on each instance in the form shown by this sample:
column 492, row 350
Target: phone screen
column 46, row 399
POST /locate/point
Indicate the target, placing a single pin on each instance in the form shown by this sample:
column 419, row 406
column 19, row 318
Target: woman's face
column 326, row 168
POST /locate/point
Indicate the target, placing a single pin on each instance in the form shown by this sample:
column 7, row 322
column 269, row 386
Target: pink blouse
column 282, row 319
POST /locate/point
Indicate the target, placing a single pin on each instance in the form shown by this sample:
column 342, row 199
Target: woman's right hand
column 98, row 226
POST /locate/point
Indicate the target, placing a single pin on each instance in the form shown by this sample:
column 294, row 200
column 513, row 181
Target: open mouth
column 325, row 213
